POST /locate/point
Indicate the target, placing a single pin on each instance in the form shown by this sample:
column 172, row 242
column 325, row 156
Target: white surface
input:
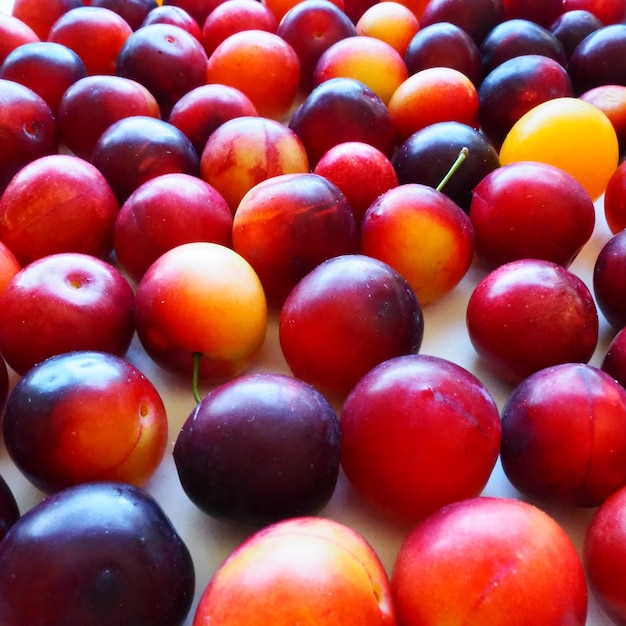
column 445, row 335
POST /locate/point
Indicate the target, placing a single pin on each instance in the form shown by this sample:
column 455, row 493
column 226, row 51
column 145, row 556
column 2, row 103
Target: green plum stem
column 455, row 166
column 194, row 381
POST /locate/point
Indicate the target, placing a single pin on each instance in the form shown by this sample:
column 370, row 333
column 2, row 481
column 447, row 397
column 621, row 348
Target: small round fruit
column 615, row 200
column 392, row 450
column 530, row 314
column 94, row 554
column 85, row 416
column 305, row 569
column 201, row 301
column 258, row 449
column 564, row 435
column 609, row 280
column 489, row 560
column 344, row 317
column 568, row 133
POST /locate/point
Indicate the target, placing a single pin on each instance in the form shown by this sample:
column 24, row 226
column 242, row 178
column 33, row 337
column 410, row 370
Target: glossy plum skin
column 22, row 108
column 85, row 416
column 235, row 453
column 609, row 280
column 165, row 59
column 572, row 26
column 86, row 304
column 427, row 156
column 500, row 539
column 346, row 316
column 267, row 579
column 615, row 199
column 47, row 68
column 530, row 314
column 52, row 190
column 514, row 87
column 604, row 555
column 135, row 149
column 287, row 225
column 9, row 508
column 614, row 361
column 95, row 554
column 14, row 33
column 392, row 450
column 549, row 451
column 30, row 13
column 340, row 110
column 114, row 97
column 167, row 211
column 530, row 197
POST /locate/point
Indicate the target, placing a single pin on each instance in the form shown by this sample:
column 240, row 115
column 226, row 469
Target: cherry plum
column 549, row 452
column 47, row 68
column 609, row 280
column 177, row 16
column 167, row 211
column 390, row 21
column 608, row 12
column 9, row 508
column 611, row 100
column 96, row 34
column 13, row 34
column 9, row 267
column 515, row 87
column 260, row 64
column 614, row 204
column 112, row 550
column 344, row 317
column 392, row 450
column 246, row 150
column 287, row 225
column 531, row 314
column 444, row 44
column 530, row 210
column 115, row 98
column 252, row 418
column 614, row 360
column 572, row 26
column 139, row 147
column 40, row 20
column 542, row 12
column 428, row 154
column 311, row 27
column 198, row 9
column 340, row 110
column 164, row 58
column 134, row 12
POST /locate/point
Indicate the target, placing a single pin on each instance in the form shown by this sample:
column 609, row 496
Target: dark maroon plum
column 599, row 59
column 9, row 509
column 135, row 149
column 571, row 27
column 168, row 14
column 444, row 45
column 311, row 28
column 427, row 156
column 198, row 9
column 166, row 59
column 258, row 449
column 96, row 554
column 516, row 37
column 133, row 11
column 614, row 361
column 46, row 67
column 609, row 280
column 476, row 18
column 340, row 110
column 514, row 87
column 27, row 126
column 542, row 12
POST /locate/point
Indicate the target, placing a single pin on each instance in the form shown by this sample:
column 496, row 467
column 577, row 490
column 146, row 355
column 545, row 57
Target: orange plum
column 372, row 61
column 423, row 234
column 431, row 95
column 304, row 569
column 260, row 64
column 246, row 150
column 391, row 22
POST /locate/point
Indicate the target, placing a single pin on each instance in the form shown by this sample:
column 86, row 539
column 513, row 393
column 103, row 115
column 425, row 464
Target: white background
column 445, row 335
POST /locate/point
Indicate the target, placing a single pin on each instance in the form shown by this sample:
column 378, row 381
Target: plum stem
column 455, row 166
column 195, row 376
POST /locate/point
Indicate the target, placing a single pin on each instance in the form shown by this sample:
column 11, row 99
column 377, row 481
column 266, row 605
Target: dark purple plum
column 444, row 45
column 96, row 554
column 138, row 148
column 599, row 59
column 476, row 18
column 260, row 448
column 515, row 37
column 571, row 27
column 514, row 87
column 542, row 12
column 133, row 11
column 427, row 156
column 614, row 361
column 340, row 110
column 9, row 509
column 609, row 280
